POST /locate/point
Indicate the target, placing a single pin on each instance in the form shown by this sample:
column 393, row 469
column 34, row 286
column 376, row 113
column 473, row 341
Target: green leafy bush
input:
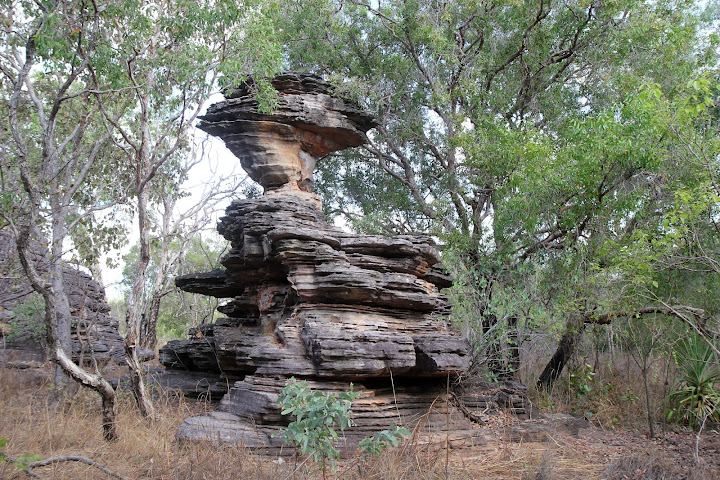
column 697, row 398
column 582, row 379
column 318, row 415
column 22, row 462
column 380, row 441
column 28, row 322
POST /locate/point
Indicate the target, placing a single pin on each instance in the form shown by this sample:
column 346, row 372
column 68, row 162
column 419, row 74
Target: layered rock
column 279, row 150
column 94, row 331
column 307, row 299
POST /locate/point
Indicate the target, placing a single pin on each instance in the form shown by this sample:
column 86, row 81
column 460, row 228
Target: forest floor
column 149, row 450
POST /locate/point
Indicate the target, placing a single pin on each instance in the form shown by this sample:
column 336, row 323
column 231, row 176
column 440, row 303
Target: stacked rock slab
column 94, row 331
column 307, row 299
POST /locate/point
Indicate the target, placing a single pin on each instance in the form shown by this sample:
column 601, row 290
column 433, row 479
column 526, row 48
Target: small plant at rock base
column 3, row 455
column 318, row 415
column 582, row 379
column 380, row 441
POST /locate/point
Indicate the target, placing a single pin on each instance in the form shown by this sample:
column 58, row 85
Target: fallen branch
column 65, row 458
column 683, row 312
column 481, row 418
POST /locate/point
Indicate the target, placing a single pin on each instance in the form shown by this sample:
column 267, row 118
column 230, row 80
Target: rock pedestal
column 306, row 299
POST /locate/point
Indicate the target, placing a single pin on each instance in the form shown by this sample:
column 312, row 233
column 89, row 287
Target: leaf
column 28, row 458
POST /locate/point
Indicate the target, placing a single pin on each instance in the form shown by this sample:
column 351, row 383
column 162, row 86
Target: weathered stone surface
column 215, row 281
column 279, row 149
column 477, row 397
column 249, row 413
column 197, row 354
column 323, row 264
column 194, row 384
column 94, row 330
column 304, row 298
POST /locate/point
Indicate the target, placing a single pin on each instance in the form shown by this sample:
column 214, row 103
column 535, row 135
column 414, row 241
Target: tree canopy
column 549, row 146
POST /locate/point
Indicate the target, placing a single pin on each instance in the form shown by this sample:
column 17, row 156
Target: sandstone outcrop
column 279, row 150
column 94, row 330
column 307, row 299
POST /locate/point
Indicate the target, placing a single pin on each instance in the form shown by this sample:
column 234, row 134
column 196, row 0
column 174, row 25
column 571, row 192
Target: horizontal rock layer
column 94, row 332
column 315, row 301
column 311, row 301
column 279, row 149
column 306, row 299
column 249, row 414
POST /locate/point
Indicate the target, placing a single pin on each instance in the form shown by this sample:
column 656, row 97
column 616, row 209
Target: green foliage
column 22, row 462
column 317, row 416
column 543, row 143
column 698, row 397
column 582, row 379
column 380, row 441
column 28, row 322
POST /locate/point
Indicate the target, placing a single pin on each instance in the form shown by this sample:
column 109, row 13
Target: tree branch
column 66, row 458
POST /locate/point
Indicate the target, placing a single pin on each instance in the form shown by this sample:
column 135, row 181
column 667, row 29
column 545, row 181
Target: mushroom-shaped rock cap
column 279, row 149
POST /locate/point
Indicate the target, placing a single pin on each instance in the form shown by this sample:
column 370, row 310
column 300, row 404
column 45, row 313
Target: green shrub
column 317, row 416
column 380, row 441
column 28, row 322
column 22, row 462
column 697, row 398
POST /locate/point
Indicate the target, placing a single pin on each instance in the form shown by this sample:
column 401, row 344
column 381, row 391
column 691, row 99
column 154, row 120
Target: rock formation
column 307, row 299
column 94, row 331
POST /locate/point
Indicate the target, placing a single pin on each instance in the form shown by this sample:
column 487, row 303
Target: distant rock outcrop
column 307, row 299
column 94, row 330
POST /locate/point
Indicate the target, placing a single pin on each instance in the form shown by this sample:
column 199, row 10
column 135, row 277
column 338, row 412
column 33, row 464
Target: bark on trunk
column 109, row 424
column 563, row 353
column 148, row 338
column 494, row 352
column 513, row 347
column 63, row 318
column 132, row 322
column 61, row 380
column 136, row 380
column 133, row 315
column 58, row 354
column 651, row 424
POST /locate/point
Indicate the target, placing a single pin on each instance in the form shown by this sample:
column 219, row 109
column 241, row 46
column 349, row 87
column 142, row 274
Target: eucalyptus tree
column 166, row 58
column 177, row 225
column 176, row 311
column 99, row 98
column 672, row 260
column 521, row 133
column 52, row 174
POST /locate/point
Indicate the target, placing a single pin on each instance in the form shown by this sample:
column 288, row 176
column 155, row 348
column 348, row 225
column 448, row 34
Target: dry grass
column 649, row 465
column 149, row 450
column 616, row 397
